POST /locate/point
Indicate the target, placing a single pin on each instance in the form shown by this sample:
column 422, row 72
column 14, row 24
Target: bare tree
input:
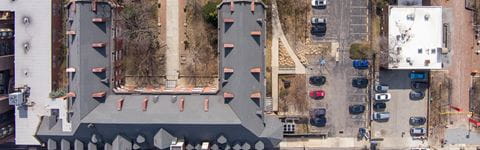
column 144, row 50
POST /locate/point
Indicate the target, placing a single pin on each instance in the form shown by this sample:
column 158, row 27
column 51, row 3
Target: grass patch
column 360, row 51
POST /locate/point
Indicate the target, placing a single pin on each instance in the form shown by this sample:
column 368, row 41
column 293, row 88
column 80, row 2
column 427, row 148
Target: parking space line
column 359, row 33
column 358, row 16
column 358, row 24
column 363, row 7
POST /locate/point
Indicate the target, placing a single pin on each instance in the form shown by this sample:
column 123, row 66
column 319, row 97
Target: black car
column 356, row 109
column 417, row 121
column 360, row 82
column 417, row 85
column 318, row 117
column 319, row 121
column 317, row 80
column 319, row 29
column 379, row 106
column 318, row 112
column 417, row 95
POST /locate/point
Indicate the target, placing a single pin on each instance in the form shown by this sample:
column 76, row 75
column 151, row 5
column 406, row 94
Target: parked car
column 381, row 116
column 318, row 117
column 383, row 96
column 381, row 88
column 318, row 94
column 418, row 75
column 317, row 80
column 319, row 3
column 418, row 131
column 356, row 109
column 417, row 95
column 319, row 29
column 361, row 82
column 318, row 112
column 360, row 64
column 379, row 106
column 318, row 21
column 418, row 85
column 417, row 121
column 319, row 121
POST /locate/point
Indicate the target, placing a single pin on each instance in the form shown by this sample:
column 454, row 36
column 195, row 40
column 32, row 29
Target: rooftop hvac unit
column 16, row 99
column 427, row 16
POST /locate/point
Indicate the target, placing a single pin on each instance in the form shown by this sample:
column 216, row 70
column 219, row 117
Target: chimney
column 119, row 104
column 145, row 104
column 182, row 104
column 205, row 105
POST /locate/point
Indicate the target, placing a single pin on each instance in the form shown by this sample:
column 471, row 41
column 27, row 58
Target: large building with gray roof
column 99, row 118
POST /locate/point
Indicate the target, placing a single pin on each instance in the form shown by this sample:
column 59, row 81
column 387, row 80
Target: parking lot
column 346, row 21
column 396, row 131
column 339, row 95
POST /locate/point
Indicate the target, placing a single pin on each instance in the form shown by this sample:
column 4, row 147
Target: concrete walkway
column 278, row 35
column 172, row 54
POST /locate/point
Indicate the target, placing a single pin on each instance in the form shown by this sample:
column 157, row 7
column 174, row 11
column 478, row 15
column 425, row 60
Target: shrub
column 360, row 51
column 210, row 12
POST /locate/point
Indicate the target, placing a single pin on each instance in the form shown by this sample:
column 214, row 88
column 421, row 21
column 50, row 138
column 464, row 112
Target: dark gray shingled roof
column 239, row 120
column 64, row 144
column 121, row 143
column 163, row 139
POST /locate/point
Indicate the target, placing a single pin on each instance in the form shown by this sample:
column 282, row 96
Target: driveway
column 396, row 131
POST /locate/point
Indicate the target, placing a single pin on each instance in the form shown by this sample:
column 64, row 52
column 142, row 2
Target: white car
column 319, row 3
column 383, row 96
column 318, row 21
column 381, row 116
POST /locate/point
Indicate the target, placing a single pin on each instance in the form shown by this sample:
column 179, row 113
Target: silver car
column 381, row 116
column 319, row 3
column 318, row 21
column 418, row 131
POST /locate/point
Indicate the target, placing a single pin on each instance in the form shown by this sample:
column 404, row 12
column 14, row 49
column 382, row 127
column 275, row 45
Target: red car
column 317, row 94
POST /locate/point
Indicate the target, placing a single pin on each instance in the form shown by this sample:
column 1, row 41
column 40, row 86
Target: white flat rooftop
column 415, row 37
column 32, row 68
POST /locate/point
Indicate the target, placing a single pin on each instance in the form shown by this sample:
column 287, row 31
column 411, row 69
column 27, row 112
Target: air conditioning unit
column 16, row 99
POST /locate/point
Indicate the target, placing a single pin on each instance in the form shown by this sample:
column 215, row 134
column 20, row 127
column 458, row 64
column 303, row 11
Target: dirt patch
column 59, row 50
column 199, row 58
column 294, row 17
column 440, row 90
column 284, row 60
column 293, row 95
column 308, row 50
